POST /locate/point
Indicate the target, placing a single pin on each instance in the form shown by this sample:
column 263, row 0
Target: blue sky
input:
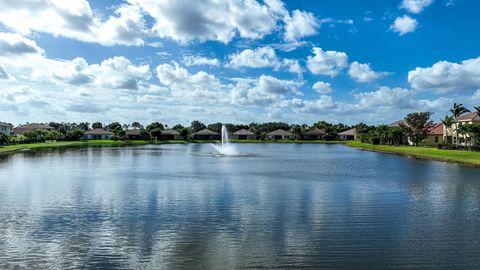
column 236, row 60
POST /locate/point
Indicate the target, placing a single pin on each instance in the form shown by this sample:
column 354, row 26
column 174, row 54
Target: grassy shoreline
column 68, row 144
column 463, row 157
column 430, row 153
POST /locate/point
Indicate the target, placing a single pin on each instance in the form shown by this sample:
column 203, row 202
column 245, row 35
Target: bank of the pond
column 471, row 158
column 50, row 145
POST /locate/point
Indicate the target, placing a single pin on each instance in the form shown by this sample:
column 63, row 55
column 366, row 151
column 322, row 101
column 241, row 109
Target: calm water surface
column 284, row 206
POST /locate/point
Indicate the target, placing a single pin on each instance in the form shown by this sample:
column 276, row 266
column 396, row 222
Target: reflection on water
column 286, row 206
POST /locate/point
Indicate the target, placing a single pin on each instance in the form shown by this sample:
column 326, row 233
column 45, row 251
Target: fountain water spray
column 225, row 148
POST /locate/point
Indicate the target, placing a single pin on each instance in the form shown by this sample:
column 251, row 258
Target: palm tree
column 397, row 135
column 457, row 110
column 476, row 128
column 477, row 109
column 464, row 130
column 297, row 131
column 382, row 131
column 137, row 125
column 447, row 122
column 362, row 129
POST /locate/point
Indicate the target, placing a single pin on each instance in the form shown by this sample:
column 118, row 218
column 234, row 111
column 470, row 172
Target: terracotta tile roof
column 437, row 130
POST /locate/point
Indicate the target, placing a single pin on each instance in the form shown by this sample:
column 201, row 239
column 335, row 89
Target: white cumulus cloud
column 191, row 87
column 300, row 24
column 446, row 76
column 363, row 72
column 185, row 21
column 404, row 25
column 393, row 98
column 22, row 99
column 113, row 73
column 264, row 91
column 257, row 58
column 194, row 60
column 263, row 57
column 328, row 63
column 15, row 44
column 322, row 87
column 415, row 6
column 74, row 19
column 294, row 66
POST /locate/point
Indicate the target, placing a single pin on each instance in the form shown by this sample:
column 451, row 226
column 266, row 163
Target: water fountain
column 225, row 148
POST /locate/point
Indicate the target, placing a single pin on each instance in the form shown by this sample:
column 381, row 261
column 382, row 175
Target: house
column 21, row 129
column 170, row 134
column 404, row 140
column 280, row 134
column 206, row 134
column 315, row 134
column 348, row 135
column 243, row 134
column 434, row 136
column 398, row 123
column 6, row 128
column 98, row 134
column 450, row 133
column 133, row 134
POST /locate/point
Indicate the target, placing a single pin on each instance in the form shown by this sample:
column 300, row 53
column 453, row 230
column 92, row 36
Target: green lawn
column 46, row 145
column 472, row 158
column 19, row 147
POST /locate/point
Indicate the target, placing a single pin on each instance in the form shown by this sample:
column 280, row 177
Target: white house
column 348, row 135
column 450, row 133
column 243, row 134
column 98, row 134
column 21, row 129
column 6, row 128
column 280, row 134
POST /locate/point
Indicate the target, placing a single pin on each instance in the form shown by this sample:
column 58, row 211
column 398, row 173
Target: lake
column 278, row 206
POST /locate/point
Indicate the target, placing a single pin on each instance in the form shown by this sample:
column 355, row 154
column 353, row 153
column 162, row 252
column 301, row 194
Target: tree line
column 415, row 127
column 65, row 131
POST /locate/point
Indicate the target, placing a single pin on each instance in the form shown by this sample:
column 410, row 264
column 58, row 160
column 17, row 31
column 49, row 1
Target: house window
column 436, row 139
